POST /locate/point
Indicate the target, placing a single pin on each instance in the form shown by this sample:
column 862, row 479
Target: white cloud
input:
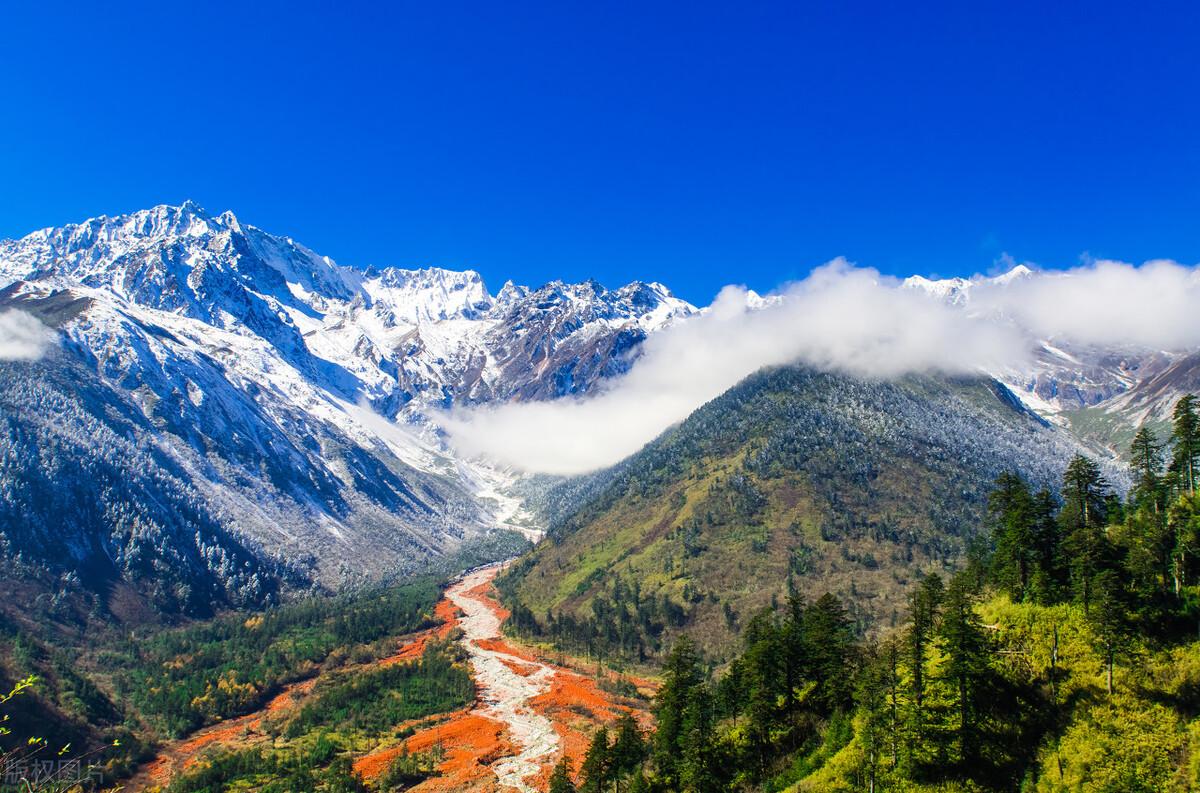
column 23, row 337
column 1155, row 305
column 842, row 318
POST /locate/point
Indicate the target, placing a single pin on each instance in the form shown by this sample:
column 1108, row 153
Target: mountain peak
column 950, row 290
column 1016, row 273
column 182, row 258
column 186, row 213
column 958, row 290
column 431, row 293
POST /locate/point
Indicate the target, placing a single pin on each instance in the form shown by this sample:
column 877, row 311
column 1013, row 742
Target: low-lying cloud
column 23, row 337
column 841, row 318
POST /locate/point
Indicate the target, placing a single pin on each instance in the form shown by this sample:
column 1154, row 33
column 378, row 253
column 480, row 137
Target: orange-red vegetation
column 469, row 742
column 521, row 668
column 446, row 614
column 183, row 754
column 503, row 646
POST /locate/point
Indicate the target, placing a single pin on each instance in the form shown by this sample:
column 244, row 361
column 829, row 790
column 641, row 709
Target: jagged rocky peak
column 187, row 219
column 654, row 302
column 952, row 290
column 431, row 294
column 508, row 296
column 558, row 291
column 650, row 305
column 1017, row 272
column 411, row 335
column 179, row 259
column 143, row 226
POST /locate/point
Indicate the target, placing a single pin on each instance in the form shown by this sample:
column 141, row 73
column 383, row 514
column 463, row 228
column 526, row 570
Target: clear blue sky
column 693, row 143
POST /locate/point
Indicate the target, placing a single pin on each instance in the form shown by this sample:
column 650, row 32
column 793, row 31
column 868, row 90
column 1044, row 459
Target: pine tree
column 560, row 779
column 891, row 653
column 682, row 676
column 1109, row 619
column 795, row 648
column 1011, row 511
column 732, row 690
column 965, row 645
column 876, row 683
column 628, row 749
column 1145, row 454
column 594, row 774
column 1183, row 526
column 1082, row 517
column 1049, row 573
column 1185, row 437
column 699, row 768
column 829, row 637
column 1150, row 541
column 923, row 607
column 764, row 675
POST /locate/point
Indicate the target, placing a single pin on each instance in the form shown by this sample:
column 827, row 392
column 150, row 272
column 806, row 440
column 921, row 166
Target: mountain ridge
column 291, row 394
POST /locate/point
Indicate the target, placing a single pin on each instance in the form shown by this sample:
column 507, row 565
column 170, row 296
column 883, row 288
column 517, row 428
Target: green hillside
column 1063, row 658
column 848, row 486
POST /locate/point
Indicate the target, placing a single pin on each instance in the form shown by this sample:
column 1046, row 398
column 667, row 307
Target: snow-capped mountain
column 286, row 398
column 428, row 334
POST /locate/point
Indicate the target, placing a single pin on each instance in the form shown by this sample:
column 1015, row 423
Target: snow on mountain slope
column 429, row 295
column 290, row 393
column 955, row 291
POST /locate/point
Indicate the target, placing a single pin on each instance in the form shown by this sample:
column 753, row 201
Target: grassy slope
column 853, row 479
column 1111, row 431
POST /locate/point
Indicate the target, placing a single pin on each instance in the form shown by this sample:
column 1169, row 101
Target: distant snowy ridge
column 1064, row 376
column 430, row 334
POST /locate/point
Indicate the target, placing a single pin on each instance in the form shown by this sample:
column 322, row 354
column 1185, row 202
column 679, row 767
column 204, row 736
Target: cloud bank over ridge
column 841, row 318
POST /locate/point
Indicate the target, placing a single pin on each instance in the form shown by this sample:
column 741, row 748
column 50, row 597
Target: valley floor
column 528, row 711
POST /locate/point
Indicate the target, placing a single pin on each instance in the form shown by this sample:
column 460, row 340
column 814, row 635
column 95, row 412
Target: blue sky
column 696, row 144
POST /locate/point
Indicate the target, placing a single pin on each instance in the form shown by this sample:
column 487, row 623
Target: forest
column 313, row 748
column 374, row 701
column 234, row 664
column 1062, row 657
column 106, row 708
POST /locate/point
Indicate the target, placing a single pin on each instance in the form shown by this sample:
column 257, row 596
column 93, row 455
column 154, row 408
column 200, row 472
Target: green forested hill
column 850, row 487
column 1063, row 658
